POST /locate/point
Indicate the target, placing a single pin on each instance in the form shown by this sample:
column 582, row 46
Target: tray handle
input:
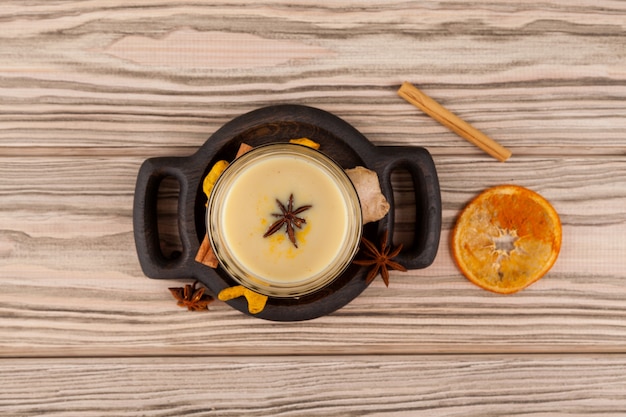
column 419, row 164
column 153, row 263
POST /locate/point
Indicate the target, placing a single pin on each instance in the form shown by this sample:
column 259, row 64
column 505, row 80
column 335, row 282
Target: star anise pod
column 191, row 297
column 380, row 260
column 288, row 217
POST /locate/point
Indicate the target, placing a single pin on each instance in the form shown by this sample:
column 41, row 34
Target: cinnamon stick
column 243, row 148
column 444, row 116
column 205, row 254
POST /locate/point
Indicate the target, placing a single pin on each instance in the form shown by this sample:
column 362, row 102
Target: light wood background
column 90, row 89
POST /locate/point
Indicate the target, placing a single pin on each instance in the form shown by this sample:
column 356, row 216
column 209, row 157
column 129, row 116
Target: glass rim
column 264, row 285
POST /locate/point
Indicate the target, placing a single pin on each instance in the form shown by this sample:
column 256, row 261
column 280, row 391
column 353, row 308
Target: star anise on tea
column 191, row 297
column 288, row 217
column 380, row 260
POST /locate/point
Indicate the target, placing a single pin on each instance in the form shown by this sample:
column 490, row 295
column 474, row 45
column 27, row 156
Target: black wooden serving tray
column 340, row 141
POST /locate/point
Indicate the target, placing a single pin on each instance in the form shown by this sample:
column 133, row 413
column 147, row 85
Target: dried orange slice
column 506, row 238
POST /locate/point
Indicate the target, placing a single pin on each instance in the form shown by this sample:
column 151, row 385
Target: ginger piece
column 256, row 301
column 374, row 205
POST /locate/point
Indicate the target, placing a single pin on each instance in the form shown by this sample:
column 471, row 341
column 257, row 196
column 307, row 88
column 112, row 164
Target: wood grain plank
column 72, row 284
column 538, row 77
column 533, row 385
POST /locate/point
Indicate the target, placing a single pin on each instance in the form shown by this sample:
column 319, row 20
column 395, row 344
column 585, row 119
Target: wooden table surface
column 89, row 90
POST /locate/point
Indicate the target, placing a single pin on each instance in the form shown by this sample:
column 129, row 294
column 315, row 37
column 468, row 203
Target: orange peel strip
column 256, row 301
column 212, row 176
column 305, row 142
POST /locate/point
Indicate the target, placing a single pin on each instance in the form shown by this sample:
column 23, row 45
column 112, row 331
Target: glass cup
column 284, row 220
